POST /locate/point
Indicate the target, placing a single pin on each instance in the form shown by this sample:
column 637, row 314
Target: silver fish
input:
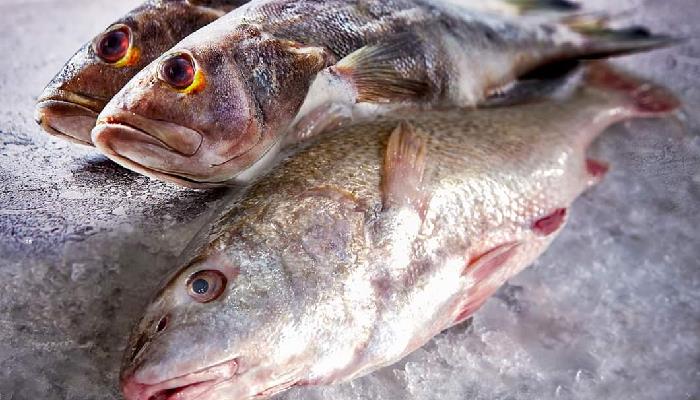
column 359, row 249
column 219, row 106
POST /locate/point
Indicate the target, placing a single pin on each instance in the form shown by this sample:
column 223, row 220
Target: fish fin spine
column 316, row 57
column 404, row 169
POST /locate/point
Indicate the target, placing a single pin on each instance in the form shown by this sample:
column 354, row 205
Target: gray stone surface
column 611, row 311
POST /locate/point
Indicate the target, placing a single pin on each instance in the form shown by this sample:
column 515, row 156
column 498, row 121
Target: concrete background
column 611, row 311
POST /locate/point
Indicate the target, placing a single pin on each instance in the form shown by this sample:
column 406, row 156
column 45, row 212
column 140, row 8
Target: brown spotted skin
column 334, row 278
column 260, row 61
column 156, row 26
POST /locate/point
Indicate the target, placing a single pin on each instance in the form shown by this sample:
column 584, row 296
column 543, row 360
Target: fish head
column 69, row 105
column 214, row 331
column 256, row 308
column 209, row 108
column 178, row 122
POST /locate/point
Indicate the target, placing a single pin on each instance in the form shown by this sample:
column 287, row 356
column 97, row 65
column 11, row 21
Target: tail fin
column 525, row 7
column 641, row 98
column 605, row 42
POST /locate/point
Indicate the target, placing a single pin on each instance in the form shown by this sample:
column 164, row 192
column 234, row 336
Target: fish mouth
column 135, row 148
column 174, row 137
column 68, row 115
column 169, row 152
column 185, row 387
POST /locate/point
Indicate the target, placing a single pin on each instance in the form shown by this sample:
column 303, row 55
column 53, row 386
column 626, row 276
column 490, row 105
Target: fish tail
column 525, row 7
column 603, row 42
column 640, row 98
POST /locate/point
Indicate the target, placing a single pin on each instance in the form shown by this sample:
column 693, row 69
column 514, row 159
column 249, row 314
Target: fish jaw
column 68, row 115
column 189, row 386
column 173, row 153
column 174, row 137
column 137, row 150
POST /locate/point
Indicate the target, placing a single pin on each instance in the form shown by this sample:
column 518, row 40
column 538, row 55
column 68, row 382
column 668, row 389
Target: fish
column 217, row 109
column 520, row 8
column 69, row 105
column 365, row 243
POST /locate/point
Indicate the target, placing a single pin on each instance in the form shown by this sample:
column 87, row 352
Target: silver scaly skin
column 219, row 106
column 360, row 248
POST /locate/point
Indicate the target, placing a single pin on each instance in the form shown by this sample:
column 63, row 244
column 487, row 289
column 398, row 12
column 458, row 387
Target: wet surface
column 611, row 311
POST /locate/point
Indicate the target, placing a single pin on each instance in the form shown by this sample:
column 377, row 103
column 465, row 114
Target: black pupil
column 200, row 286
column 179, row 71
column 114, row 44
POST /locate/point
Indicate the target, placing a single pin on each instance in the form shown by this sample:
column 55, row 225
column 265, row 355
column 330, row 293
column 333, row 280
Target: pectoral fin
column 323, row 119
column 374, row 73
column 404, row 169
column 483, row 266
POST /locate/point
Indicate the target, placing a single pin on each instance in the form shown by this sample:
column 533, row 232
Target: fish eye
column 206, row 286
column 114, row 45
column 178, row 71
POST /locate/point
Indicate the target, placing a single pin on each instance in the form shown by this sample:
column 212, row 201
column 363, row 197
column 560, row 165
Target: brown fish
column 359, row 249
column 69, row 105
column 217, row 107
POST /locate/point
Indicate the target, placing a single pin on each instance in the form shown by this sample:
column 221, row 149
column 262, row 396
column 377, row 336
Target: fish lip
column 193, row 384
column 167, row 176
column 174, row 137
column 50, row 114
column 90, row 102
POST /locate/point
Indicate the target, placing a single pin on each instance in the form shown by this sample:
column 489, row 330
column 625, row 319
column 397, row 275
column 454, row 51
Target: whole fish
column 69, row 105
column 360, row 248
column 219, row 106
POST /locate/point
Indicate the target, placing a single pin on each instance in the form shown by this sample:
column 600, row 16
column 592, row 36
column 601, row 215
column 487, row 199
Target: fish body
column 69, row 105
column 360, row 248
column 274, row 72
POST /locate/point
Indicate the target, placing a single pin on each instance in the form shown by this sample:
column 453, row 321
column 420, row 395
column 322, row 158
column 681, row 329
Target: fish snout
column 123, row 128
column 133, row 390
column 68, row 115
column 162, row 150
column 183, row 387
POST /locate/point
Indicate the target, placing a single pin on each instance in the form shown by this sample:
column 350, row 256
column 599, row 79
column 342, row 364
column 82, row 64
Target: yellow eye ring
column 115, row 46
column 197, row 85
column 132, row 57
column 181, row 72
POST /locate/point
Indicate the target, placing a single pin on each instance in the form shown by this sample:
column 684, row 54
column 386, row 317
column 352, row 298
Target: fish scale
column 276, row 72
column 363, row 245
column 69, row 105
